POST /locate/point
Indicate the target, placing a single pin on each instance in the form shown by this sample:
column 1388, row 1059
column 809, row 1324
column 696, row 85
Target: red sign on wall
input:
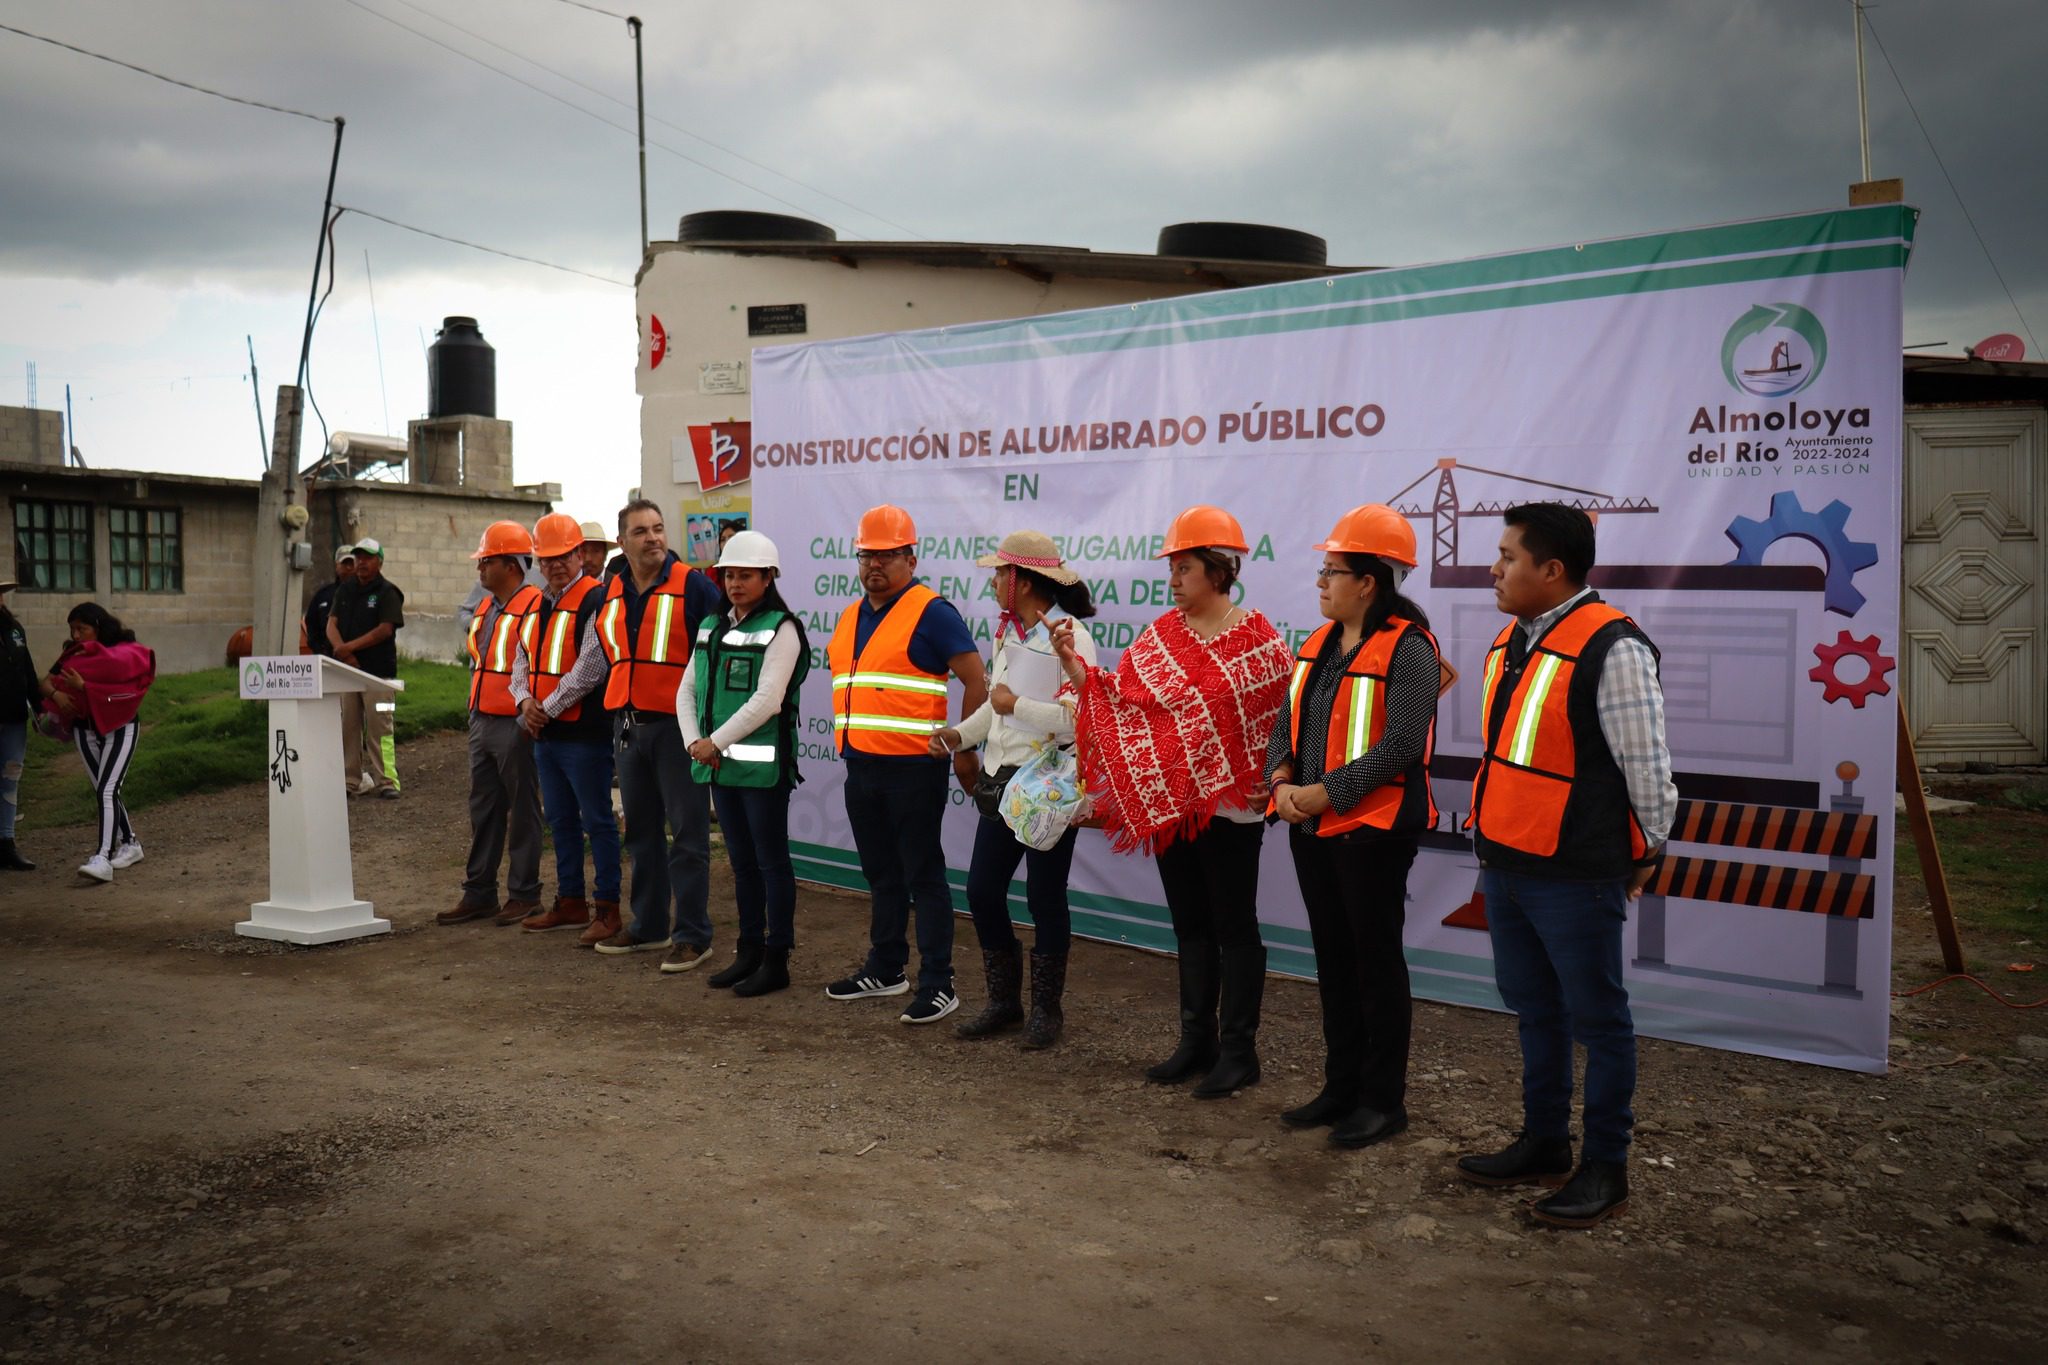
column 657, row 342
column 725, row 453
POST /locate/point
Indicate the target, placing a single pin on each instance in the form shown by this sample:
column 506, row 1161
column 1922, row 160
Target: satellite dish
column 2004, row 346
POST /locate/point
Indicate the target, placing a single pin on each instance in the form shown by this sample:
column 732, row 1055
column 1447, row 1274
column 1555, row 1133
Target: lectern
column 312, row 886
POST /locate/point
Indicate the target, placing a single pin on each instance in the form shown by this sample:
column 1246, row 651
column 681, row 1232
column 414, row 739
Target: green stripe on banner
column 1038, row 344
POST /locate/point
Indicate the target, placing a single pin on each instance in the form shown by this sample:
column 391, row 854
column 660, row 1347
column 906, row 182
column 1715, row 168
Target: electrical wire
column 1929, row 138
column 655, row 118
column 478, row 246
column 326, row 437
column 169, row 80
column 1964, row 976
column 587, row 113
column 595, row 10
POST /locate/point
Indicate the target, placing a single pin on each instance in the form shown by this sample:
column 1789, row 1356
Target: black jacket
column 20, row 688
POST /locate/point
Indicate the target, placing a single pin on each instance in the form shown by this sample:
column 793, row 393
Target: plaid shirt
column 1631, row 704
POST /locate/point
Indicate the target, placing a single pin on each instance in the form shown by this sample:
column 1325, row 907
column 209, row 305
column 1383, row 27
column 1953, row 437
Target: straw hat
column 593, row 534
column 1031, row 550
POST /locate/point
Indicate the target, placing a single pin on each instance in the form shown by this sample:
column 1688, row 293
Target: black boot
column 771, row 975
column 1237, row 1057
column 1525, row 1161
column 1596, row 1193
column 1048, row 984
column 1003, row 971
column 1336, row 1101
column 1198, row 989
column 746, row 960
column 11, row 859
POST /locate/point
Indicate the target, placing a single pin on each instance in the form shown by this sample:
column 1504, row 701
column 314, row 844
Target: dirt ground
column 456, row 1142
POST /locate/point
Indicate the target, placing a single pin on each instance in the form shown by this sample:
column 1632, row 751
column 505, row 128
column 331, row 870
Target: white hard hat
column 748, row 550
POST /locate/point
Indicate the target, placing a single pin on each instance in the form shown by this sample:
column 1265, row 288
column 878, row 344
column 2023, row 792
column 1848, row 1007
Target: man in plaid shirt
column 1570, row 810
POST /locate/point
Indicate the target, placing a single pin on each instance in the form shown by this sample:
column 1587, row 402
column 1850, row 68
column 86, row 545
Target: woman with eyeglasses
column 1348, row 766
column 1170, row 744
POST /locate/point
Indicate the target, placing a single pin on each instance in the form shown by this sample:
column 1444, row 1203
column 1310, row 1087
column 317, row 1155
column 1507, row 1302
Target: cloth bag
column 1043, row 797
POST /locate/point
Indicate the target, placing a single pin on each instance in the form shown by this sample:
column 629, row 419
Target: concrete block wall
column 35, row 436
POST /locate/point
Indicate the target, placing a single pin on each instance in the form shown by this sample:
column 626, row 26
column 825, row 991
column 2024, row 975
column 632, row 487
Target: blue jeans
column 755, row 821
column 997, row 852
column 1557, row 961
column 895, row 810
column 576, row 793
column 13, row 751
column 658, row 795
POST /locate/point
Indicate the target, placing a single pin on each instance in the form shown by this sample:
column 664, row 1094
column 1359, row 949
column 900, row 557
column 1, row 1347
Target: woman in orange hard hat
column 1348, row 764
column 1171, row 744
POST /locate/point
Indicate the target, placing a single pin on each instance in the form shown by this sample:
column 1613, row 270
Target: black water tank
column 739, row 225
column 462, row 372
column 1243, row 242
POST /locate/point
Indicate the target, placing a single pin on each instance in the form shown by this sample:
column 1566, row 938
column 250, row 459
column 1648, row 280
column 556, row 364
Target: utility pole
column 1862, row 101
column 640, row 102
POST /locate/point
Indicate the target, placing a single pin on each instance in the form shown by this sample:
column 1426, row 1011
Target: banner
column 1725, row 400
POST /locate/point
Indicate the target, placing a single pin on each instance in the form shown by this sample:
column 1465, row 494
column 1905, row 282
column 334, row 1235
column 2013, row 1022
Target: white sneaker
column 127, row 855
column 97, row 868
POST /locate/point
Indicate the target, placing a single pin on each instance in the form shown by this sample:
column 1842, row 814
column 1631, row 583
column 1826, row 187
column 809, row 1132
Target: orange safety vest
column 559, row 638
column 1358, row 717
column 490, row 677
column 882, row 703
column 646, row 671
column 1549, row 797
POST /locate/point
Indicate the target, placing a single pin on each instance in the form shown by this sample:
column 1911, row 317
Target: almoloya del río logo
column 1774, row 350
column 252, row 676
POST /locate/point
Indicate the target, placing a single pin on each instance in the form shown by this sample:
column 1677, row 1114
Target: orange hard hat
column 1203, row 527
column 885, row 528
column 503, row 538
column 557, row 533
column 1373, row 528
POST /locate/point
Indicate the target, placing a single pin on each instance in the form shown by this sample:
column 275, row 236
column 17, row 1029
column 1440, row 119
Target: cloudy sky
column 146, row 230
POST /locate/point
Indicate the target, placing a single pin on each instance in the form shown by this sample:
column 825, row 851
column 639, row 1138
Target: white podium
column 312, row 886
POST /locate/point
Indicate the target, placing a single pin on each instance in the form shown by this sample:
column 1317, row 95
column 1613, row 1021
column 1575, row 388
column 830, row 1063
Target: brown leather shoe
column 566, row 912
column 685, row 957
column 604, row 922
column 467, row 909
column 516, row 911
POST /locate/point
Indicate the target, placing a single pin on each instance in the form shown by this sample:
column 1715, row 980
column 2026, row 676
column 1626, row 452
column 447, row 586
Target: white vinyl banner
column 1725, row 400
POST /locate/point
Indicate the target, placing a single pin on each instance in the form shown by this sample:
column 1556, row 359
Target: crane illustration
column 1444, row 511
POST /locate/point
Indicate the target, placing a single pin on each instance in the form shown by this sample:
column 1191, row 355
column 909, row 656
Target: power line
column 169, row 80
column 340, row 209
column 593, row 9
column 587, row 113
column 1982, row 245
column 655, row 118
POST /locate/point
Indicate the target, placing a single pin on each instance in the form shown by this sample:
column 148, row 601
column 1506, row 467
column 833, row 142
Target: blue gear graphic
column 1827, row 528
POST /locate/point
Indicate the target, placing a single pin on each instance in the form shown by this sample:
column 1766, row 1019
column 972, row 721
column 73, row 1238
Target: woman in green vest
column 737, row 710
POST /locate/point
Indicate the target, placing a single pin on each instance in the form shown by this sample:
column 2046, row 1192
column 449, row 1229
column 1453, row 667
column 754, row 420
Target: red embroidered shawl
column 1180, row 728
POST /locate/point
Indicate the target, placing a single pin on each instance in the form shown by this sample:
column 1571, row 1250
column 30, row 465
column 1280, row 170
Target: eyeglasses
column 878, row 556
column 1326, row 573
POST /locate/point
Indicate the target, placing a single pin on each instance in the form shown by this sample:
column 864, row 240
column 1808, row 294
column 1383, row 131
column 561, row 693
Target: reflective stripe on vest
column 646, row 671
column 1530, row 758
column 559, row 644
column 490, row 678
column 882, row 703
column 1357, row 721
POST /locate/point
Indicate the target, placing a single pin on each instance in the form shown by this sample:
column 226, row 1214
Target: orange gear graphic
column 1855, row 693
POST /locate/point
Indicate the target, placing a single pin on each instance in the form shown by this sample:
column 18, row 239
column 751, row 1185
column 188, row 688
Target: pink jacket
column 116, row 679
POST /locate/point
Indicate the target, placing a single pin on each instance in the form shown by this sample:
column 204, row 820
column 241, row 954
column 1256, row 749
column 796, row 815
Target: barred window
column 145, row 549
column 53, row 545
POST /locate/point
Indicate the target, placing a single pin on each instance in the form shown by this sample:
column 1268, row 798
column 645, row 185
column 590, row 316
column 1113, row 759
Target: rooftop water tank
column 462, row 372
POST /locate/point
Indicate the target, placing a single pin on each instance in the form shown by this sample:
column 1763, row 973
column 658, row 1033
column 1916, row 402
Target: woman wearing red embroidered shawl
column 1172, row 745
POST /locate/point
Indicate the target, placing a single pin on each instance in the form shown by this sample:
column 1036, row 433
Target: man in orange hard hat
column 504, row 799
column 890, row 658
column 572, row 755
column 645, row 627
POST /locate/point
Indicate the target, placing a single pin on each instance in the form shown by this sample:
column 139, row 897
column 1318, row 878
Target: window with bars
column 145, row 549
column 53, row 545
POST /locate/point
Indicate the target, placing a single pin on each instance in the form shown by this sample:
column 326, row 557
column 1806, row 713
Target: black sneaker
column 930, row 1006
column 861, row 986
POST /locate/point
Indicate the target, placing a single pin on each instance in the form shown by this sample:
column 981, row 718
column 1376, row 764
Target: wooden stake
column 1923, row 842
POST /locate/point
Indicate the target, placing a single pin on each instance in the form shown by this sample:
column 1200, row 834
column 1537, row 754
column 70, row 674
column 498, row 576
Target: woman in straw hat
column 1027, row 706
column 1172, row 745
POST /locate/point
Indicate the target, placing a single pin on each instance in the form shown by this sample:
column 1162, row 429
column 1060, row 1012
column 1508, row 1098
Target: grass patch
column 1996, row 857
column 197, row 736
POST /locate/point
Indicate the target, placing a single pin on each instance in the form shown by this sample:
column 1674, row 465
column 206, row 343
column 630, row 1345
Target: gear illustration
column 1855, row 693
column 1827, row 528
